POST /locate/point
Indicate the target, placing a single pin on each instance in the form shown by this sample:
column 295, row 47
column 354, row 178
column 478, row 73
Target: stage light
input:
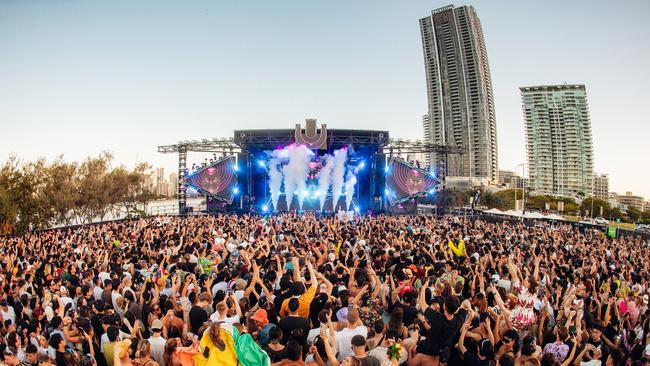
column 317, row 193
column 387, row 168
column 432, row 191
column 261, row 163
column 305, row 193
column 235, row 190
column 386, row 191
column 235, row 167
column 265, row 208
column 357, row 209
column 362, row 165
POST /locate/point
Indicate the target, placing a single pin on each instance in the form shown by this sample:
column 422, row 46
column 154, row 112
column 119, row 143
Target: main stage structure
column 238, row 177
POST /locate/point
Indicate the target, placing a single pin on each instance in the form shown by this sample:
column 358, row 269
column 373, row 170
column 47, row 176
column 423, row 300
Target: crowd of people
column 292, row 289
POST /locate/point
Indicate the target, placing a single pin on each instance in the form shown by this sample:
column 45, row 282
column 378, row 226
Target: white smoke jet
column 338, row 172
column 295, row 174
column 350, row 182
column 275, row 175
column 324, row 178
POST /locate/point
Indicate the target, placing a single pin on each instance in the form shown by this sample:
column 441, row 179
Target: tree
column 633, row 214
column 616, row 213
column 37, row 195
column 586, row 206
column 645, row 217
column 60, row 192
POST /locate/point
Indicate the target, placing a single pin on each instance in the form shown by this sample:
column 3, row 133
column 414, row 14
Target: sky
column 78, row 77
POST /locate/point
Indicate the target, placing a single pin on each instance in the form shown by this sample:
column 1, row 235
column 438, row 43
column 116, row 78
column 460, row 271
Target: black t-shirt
column 198, row 316
column 289, row 323
column 471, row 359
column 275, row 356
column 60, row 358
column 279, row 299
column 442, row 332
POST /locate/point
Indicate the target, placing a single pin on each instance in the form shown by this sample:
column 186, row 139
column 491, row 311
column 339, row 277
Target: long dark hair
column 215, row 334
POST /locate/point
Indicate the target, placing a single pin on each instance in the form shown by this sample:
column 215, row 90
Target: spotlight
column 432, row 191
column 386, row 191
column 235, row 167
column 261, row 163
column 357, row 209
column 265, row 208
column 235, row 190
column 362, row 165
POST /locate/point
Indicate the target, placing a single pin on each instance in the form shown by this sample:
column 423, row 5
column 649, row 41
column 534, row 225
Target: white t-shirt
column 104, row 276
column 97, row 293
column 228, row 319
column 590, row 363
column 9, row 314
column 104, row 338
column 157, row 348
column 114, row 297
column 65, row 300
column 313, row 333
column 344, row 340
column 239, row 294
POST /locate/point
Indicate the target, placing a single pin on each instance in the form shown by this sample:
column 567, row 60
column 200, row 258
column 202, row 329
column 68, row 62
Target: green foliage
column 633, row 214
column 37, row 195
column 586, row 206
column 505, row 200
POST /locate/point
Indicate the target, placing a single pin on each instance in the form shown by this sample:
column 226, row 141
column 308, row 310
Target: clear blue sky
column 78, row 77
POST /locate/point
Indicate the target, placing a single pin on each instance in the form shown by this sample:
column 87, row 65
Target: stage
column 310, row 168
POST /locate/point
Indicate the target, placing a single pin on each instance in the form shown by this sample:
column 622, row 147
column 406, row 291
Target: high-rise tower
column 459, row 89
column 558, row 139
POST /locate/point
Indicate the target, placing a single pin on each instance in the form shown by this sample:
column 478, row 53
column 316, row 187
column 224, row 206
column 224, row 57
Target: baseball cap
column 342, row 314
column 157, row 324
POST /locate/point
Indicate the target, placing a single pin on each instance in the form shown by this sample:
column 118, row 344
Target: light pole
column 523, row 165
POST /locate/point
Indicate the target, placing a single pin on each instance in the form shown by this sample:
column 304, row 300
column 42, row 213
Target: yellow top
column 227, row 357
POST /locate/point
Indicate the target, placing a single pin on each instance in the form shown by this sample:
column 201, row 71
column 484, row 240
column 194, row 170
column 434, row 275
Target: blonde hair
column 144, row 349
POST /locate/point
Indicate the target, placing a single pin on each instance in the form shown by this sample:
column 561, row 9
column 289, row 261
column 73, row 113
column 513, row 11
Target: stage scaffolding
column 232, row 146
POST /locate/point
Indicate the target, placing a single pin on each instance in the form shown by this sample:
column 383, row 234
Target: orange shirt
column 304, row 301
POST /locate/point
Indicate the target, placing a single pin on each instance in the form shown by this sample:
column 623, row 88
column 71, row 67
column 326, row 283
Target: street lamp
column 523, row 165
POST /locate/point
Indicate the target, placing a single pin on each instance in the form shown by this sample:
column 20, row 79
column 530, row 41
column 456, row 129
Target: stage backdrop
column 404, row 180
column 218, row 180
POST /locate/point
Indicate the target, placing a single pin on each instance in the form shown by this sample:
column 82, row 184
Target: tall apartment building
column 601, row 187
column 558, row 139
column 459, row 90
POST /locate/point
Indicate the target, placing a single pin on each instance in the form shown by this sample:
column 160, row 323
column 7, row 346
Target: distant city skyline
column 78, row 78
